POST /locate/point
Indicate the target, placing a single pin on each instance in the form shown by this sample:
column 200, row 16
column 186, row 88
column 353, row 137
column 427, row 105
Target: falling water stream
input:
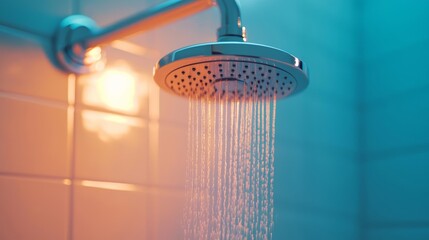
column 230, row 169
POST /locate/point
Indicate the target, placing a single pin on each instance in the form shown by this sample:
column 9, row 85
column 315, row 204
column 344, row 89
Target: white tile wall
column 127, row 165
column 170, row 167
column 32, row 208
column 111, row 148
column 20, row 72
column 34, row 136
column 166, row 215
column 108, row 211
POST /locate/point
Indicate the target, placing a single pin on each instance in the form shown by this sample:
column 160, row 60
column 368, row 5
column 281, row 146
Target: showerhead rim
column 230, row 52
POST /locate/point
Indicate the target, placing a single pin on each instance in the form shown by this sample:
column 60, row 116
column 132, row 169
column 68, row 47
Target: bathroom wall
column 395, row 111
column 102, row 156
column 316, row 178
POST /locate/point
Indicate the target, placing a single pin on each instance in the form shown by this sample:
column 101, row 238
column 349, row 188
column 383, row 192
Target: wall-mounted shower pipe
column 167, row 12
column 78, row 34
column 230, row 68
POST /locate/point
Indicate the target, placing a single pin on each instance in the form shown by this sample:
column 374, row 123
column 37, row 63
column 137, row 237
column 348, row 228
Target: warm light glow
column 67, row 182
column 71, row 83
column 118, row 88
column 109, row 126
column 110, row 185
column 93, row 55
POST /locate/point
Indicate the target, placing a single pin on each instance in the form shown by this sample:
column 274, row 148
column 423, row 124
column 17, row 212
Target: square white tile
column 169, row 167
column 33, row 208
column 109, row 211
column 26, row 69
column 111, row 147
column 166, row 215
column 34, row 137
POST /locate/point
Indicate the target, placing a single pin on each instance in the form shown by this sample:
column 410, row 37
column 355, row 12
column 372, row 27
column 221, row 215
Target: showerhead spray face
column 231, row 70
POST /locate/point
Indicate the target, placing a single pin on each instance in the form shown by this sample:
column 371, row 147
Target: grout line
column 33, row 176
column 71, row 135
column 145, row 119
column 398, row 224
column 78, row 181
column 361, row 134
column 145, row 187
column 83, row 107
column 32, row 99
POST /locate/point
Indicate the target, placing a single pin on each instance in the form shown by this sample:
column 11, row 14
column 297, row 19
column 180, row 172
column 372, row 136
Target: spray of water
column 230, row 169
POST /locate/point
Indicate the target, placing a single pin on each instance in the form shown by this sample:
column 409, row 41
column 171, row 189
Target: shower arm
column 78, row 34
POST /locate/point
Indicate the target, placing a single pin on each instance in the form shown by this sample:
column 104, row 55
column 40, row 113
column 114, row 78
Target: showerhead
column 231, row 70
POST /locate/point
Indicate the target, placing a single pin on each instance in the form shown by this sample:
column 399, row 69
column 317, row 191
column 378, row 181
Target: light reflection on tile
column 118, row 88
column 108, row 126
column 110, row 147
column 32, row 208
column 106, row 214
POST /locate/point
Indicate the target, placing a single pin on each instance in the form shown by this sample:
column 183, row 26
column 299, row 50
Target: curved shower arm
column 231, row 28
column 78, row 34
column 170, row 11
column 151, row 18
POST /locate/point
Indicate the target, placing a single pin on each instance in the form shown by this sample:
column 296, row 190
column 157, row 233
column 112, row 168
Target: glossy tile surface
column 26, row 69
column 170, row 166
column 317, row 181
column 34, row 137
column 398, row 125
column 122, row 87
column 397, row 190
column 304, row 224
column 317, row 121
column 108, row 211
column 166, row 215
column 394, row 233
column 33, row 208
column 111, row 147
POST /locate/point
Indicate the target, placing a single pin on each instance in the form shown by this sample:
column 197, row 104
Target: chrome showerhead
column 232, row 70
column 229, row 69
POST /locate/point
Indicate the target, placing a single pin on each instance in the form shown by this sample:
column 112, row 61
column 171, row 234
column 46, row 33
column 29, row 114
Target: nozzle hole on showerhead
column 230, row 87
column 230, row 79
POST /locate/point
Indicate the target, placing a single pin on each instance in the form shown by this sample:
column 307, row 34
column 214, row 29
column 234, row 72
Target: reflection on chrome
column 93, row 55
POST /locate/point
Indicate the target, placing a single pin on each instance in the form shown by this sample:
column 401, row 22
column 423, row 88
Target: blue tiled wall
column 317, row 171
column 395, row 104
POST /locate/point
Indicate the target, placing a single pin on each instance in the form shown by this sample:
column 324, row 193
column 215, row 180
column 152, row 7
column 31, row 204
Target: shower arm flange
column 78, row 35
